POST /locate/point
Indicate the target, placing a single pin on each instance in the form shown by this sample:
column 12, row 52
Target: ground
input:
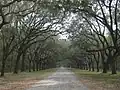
column 98, row 80
column 23, row 80
column 62, row 79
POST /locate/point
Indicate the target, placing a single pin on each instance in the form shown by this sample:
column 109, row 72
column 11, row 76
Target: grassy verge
column 23, row 80
column 98, row 80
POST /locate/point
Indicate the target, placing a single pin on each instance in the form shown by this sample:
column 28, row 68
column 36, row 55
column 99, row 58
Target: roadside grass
column 96, row 80
column 23, row 80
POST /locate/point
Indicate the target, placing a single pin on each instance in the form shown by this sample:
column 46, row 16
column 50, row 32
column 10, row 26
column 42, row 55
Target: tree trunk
column 29, row 65
column 11, row 63
column 89, row 66
column 37, row 66
column 41, row 65
column 113, row 67
column 93, row 69
column 105, row 65
column 17, row 64
column 97, row 63
column 33, row 65
column 3, row 67
column 23, row 63
column 86, row 67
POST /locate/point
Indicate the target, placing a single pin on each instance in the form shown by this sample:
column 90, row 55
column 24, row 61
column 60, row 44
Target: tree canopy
column 30, row 29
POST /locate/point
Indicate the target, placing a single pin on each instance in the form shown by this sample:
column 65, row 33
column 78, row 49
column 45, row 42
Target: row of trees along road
column 98, row 23
column 95, row 31
column 27, row 25
column 28, row 36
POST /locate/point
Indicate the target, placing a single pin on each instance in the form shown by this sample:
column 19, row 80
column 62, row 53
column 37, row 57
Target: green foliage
column 84, row 3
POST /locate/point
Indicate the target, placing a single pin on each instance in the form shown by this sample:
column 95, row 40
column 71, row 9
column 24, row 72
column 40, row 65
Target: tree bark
column 97, row 64
column 89, row 65
column 23, row 63
column 105, row 67
column 3, row 67
column 86, row 67
column 17, row 64
column 33, row 65
column 113, row 67
column 93, row 69
column 29, row 65
column 37, row 66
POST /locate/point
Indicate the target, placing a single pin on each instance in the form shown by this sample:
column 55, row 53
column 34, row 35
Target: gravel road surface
column 62, row 79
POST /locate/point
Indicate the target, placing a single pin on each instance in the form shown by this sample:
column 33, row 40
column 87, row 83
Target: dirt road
column 62, row 79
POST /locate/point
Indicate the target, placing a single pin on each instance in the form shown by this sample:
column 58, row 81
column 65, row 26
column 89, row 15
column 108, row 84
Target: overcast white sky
column 65, row 36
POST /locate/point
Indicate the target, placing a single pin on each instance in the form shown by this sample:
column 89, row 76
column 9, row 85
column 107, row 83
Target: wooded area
column 30, row 35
